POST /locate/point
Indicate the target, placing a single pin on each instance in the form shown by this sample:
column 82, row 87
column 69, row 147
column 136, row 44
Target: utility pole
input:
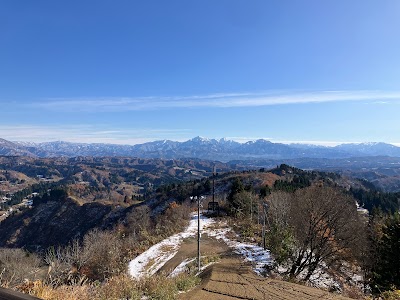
column 263, row 229
column 198, row 233
column 198, row 198
column 213, row 184
column 265, row 218
column 251, row 208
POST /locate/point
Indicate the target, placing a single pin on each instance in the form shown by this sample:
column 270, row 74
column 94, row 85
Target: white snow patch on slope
column 152, row 260
column 253, row 253
column 181, row 267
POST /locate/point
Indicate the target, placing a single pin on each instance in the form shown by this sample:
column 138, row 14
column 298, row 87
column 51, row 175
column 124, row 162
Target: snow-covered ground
column 181, row 268
column 330, row 279
column 251, row 252
column 150, row 261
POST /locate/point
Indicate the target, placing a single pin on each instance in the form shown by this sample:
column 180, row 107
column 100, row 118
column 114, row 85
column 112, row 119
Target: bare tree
column 105, row 254
column 16, row 265
column 326, row 229
column 65, row 263
column 279, row 208
column 279, row 236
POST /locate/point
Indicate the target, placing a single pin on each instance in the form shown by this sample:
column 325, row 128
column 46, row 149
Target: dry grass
column 47, row 292
column 16, row 265
column 96, row 268
column 391, row 295
column 118, row 287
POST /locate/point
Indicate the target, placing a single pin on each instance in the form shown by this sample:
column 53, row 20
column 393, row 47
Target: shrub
column 186, row 282
column 391, row 295
column 160, row 288
column 104, row 255
column 16, row 265
column 66, row 264
column 119, row 287
column 64, row 292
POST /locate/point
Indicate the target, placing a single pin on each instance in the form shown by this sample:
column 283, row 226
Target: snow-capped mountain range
column 199, row 147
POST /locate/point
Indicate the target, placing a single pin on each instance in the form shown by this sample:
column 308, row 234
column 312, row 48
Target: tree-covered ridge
column 109, row 180
column 374, row 199
column 308, row 219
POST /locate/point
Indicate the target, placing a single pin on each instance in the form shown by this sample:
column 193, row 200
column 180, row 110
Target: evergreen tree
column 236, row 188
column 385, row 273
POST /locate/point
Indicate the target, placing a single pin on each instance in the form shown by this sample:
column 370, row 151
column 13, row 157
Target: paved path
column 232, row 279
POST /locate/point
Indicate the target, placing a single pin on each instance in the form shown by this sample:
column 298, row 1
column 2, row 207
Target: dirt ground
column 209, row 246
column 232, row 278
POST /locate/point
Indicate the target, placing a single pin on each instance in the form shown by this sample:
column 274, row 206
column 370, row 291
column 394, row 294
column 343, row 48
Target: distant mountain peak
column 201, row 148
column 200, row 139
column 258, row 141
column 263, row 141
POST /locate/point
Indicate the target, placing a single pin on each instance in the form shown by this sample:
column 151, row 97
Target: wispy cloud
column 324, row 143
column 89, row 134
column 214, row 100
column 85, row 133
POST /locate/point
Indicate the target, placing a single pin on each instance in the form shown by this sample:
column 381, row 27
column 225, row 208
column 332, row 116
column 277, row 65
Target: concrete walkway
column 233, row 279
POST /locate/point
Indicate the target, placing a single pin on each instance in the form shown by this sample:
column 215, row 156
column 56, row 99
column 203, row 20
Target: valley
column 206, row 150
column 83, row 207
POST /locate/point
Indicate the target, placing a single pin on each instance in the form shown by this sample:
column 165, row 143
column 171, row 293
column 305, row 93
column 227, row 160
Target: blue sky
column 134, row 71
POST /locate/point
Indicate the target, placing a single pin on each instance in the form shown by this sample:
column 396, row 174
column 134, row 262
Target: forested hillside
column 353, row 230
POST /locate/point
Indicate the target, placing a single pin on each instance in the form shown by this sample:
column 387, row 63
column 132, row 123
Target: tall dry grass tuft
column 157, row 287
column 119, row 287
column 65, row 292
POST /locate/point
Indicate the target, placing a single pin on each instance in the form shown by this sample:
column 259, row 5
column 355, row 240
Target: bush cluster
column 96, row 266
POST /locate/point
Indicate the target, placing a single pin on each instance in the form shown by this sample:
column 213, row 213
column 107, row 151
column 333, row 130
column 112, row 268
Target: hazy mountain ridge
column 382, row 171
column 13, row 149
column 199, row 147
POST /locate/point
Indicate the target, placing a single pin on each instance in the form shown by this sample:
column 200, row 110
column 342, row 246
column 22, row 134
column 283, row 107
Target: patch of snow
column 361, row 209
column 181, row 267
column 253, row 253
column 152, row 260
column 149, row 262
column 323, row 277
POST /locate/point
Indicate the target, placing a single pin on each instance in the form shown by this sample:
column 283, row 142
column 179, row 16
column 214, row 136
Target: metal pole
column 213, row 184
column 263, row 229
column 198, row 232
column 251, row 208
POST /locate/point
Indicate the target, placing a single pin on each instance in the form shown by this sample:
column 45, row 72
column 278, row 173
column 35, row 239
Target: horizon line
column 241, row 140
